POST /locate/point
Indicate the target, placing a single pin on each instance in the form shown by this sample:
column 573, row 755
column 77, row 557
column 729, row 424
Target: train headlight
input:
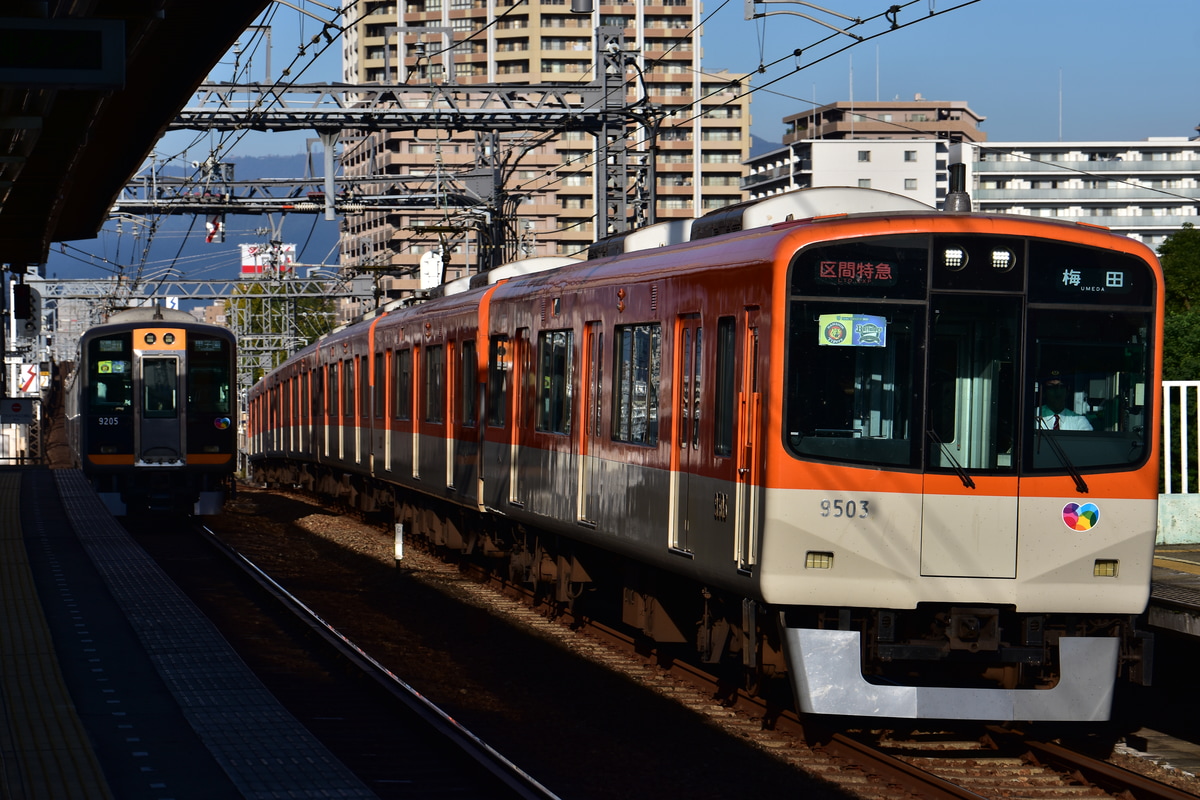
column 1106, row 568
column 954, row 258
column 814, row 560
column 150, row 338
column 1003, row 259
column 168, row 338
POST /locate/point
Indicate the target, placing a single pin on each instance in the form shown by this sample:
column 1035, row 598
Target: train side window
column 403, row 385
column 435, row 384
column 499, row 368
column 334, row 395
column 364, row 387
column 378, row 393
column 555, row 374
column 725, row 413
column 470, row 385
column 348, row 387
column 637, row 373
column 318, row 392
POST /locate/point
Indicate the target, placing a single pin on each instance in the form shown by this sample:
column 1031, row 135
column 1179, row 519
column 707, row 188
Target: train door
column 592, row 382
column 688, row 501
column 746, row 455
column 382, row 440
column 969, row 508
column 160, row 431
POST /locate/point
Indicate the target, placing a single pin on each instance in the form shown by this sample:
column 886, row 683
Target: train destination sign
column 857, row 273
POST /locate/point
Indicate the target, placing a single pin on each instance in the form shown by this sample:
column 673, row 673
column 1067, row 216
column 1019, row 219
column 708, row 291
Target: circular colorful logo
column 835, row 332
column 1081, row 517
column 221, row 423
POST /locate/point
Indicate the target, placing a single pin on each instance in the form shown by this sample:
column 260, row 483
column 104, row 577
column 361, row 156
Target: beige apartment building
column 703, row 139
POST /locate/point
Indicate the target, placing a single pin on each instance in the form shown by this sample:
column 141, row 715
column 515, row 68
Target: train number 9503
column 857, row 509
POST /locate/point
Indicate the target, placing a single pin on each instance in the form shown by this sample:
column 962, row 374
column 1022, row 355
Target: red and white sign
column 260, row 258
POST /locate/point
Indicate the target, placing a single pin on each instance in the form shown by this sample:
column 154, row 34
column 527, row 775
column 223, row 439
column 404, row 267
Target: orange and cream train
column 150, row 409
column 906, row 458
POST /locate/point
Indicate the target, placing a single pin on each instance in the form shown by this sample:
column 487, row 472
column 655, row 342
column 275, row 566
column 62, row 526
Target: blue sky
column 1039, row 70
column 1127, row 72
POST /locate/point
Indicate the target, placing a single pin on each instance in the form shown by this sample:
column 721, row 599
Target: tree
column 1180, row 256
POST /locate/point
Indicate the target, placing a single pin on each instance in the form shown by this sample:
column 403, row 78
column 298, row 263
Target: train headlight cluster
column 1106, row 568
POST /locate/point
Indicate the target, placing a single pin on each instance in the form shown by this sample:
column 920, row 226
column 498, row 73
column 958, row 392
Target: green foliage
column 1180, row 256
column 1181, row 347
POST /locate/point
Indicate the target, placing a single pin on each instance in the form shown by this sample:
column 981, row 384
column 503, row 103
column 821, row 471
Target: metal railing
column 1181, row 436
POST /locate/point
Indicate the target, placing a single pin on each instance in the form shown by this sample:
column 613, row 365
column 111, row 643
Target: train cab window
column 975, row 344
column 637, row 375
column 434, row 395
column 160, row 388
column 851, row 373
column 1087, row 389
column 210, row 375
column 111, row 378
column 555, row 375
column 499, row 369
column 402, row 403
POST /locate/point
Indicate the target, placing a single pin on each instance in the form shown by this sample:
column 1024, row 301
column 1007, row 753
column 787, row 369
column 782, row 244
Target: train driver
column 1054, row 414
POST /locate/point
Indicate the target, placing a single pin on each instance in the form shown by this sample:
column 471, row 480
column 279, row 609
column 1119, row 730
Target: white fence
column 1179, row 503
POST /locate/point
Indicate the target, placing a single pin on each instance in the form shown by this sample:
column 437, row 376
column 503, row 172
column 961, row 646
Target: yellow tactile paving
column 44, row 750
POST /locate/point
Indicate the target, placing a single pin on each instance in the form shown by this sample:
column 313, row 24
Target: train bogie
column 150, row 412
column 853, row 426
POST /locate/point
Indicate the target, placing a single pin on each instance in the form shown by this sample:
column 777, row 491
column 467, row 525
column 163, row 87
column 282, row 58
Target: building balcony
column 1117, row 195
column 1105, row 167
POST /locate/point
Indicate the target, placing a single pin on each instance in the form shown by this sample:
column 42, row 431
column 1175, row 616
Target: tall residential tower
column 703, row 138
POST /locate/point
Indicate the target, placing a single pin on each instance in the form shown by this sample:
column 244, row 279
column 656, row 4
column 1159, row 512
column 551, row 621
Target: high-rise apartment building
column 703, row 139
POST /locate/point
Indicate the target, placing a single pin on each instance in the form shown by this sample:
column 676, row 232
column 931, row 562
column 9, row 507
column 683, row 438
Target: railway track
column 348, row 571
column 399, row 743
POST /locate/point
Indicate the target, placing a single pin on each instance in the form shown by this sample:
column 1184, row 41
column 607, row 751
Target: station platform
column 113, row 685
column 1175, row 593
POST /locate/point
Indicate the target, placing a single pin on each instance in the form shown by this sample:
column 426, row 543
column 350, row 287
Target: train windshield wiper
column 1080, row 484
column 958, row 468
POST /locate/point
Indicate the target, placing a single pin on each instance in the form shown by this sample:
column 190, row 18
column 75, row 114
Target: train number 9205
column 108, row 420
column 857, row 509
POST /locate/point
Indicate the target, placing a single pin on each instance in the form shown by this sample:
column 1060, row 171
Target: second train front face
column 979, row 373
column 158, row 397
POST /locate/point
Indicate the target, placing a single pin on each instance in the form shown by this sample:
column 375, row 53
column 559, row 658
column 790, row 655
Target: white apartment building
column 917, row 168
column 1146, row 189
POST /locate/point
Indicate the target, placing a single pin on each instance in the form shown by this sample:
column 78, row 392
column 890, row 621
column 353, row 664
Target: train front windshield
column 981, row 354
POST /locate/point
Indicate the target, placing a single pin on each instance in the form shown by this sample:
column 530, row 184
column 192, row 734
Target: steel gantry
column 599, row 107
